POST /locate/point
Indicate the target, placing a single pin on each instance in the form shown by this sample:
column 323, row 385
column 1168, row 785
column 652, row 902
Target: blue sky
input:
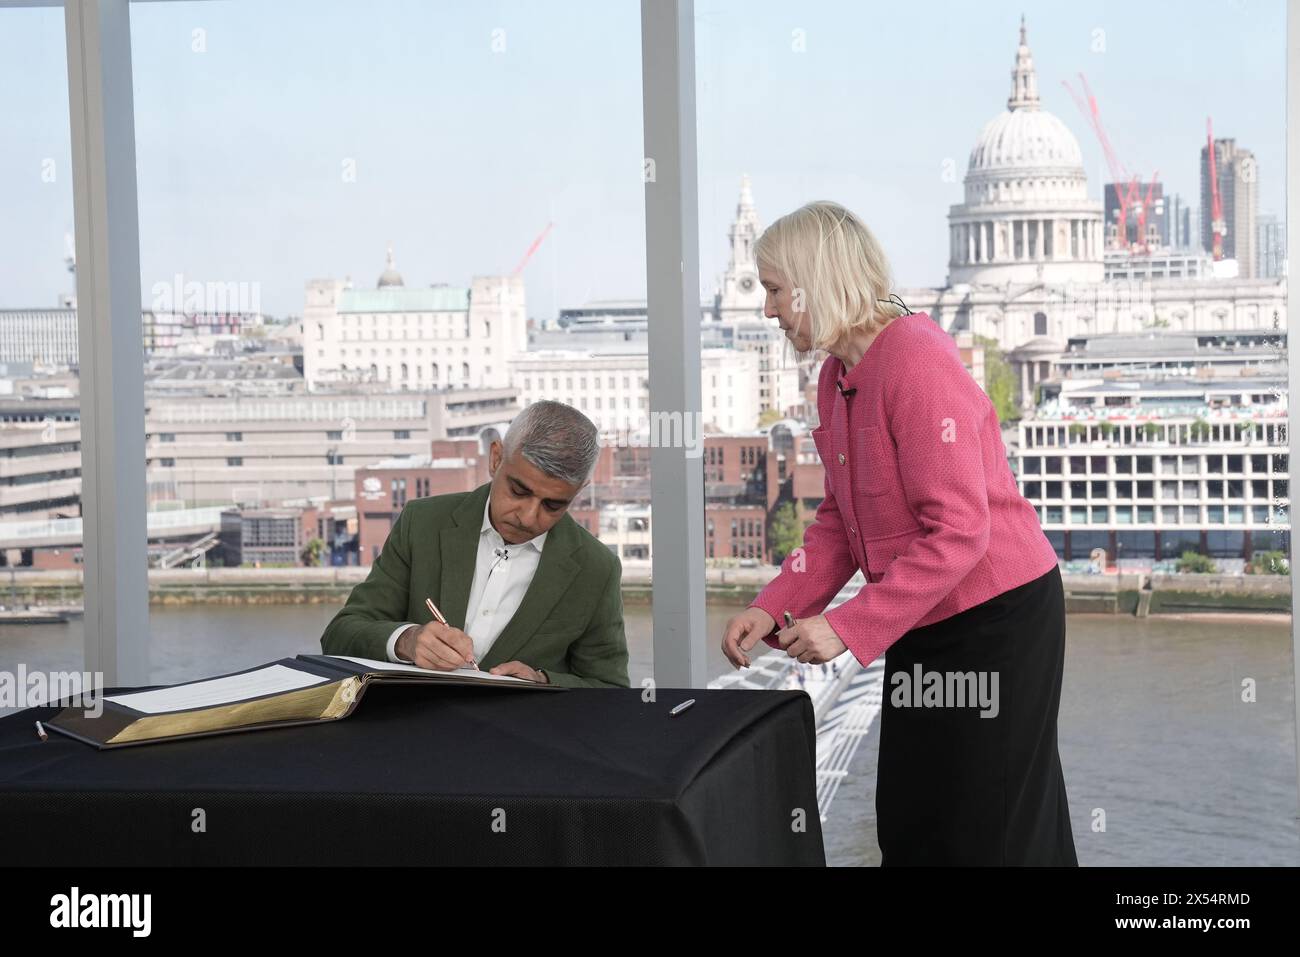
column 463, row 152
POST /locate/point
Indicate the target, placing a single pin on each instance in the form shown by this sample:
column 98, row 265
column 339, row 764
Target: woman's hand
column 811, row 641
column 743, row 632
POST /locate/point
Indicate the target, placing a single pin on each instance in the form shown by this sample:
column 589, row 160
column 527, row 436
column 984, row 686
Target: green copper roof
column 401, row 299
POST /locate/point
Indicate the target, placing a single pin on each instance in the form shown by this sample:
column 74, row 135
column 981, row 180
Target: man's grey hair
column 556, row 438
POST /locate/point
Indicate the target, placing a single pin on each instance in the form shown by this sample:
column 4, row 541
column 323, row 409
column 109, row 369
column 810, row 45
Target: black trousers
column 969, row 772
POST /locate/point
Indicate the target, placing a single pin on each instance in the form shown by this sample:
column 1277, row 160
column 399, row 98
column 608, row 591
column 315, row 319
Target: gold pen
column 437, row 614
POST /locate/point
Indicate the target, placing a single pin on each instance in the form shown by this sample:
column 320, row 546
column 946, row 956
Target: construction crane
column 1126, row 186
column 1217, row 223
column 532, row 249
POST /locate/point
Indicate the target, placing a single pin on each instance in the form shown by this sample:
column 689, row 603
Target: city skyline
column 213, row 214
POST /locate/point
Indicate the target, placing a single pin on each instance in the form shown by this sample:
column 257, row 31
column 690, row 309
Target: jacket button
column 852, row 530
column 841, row 458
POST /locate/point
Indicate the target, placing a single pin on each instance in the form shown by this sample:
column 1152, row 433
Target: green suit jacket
column 569, row 624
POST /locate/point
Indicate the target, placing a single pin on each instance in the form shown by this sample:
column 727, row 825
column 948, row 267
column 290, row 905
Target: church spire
column 741, row 293
column 746, row 203
column 744, row 229
column 1024, row 81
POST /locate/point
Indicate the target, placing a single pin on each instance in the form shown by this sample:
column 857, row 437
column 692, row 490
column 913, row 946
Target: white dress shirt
column 502, row 573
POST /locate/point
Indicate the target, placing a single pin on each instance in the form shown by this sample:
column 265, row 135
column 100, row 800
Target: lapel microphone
column 839, row 383
column 502, row 555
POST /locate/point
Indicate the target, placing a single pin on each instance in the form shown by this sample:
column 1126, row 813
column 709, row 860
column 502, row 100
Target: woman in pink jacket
column 964, row 594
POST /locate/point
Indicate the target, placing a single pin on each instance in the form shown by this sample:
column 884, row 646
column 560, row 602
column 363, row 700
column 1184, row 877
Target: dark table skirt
column 436, row 776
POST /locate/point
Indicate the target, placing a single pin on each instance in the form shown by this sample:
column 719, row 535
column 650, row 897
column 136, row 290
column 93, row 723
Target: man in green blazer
column 525, row 590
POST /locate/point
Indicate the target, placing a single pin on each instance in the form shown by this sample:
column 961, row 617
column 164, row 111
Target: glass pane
column 40, row 417
column 1077, row 305
column 364, row 252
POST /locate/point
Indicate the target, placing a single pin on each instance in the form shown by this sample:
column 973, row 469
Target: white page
column 374, row 665
column 214, row 691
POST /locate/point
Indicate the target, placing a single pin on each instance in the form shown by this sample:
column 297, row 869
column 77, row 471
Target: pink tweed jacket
column 919, row 496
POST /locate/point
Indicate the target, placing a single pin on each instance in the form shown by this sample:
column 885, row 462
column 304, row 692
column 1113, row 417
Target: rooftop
column 420, row 462
column 402, row 299
column 1174, row 385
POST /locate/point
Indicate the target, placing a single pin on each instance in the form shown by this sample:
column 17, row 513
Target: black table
column 422, row 775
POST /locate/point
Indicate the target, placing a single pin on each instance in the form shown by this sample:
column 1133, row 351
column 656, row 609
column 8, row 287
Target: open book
column 302, row 690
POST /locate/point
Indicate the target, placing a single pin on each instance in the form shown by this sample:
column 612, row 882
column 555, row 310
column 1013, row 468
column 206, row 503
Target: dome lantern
column 390, row 276
column 1024, row 81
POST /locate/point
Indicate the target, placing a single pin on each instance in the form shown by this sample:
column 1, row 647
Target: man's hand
column 743, row 633
column 436, row 646
column 518, row 669
column 811, row 641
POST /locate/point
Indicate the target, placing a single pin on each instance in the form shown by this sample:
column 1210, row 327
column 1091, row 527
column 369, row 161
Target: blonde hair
column 827, row 253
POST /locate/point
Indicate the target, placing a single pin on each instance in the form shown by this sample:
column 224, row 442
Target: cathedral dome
column 390, row 276
column 1024, row 137
column 1021, row 139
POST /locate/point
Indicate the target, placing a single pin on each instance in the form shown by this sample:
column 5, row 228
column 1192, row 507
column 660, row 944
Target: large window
column 1008, row 231
column 40, row 430
column 361, row 246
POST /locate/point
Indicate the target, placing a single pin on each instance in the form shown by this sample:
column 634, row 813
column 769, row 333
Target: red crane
column 1126, row 186
column 1142, row 213
column 1217, row 223
column 532, row 249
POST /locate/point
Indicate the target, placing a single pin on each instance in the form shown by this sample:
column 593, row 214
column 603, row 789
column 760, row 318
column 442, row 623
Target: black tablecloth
column 422, row 775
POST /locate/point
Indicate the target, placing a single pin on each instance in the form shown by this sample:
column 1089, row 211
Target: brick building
column 383, row 489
